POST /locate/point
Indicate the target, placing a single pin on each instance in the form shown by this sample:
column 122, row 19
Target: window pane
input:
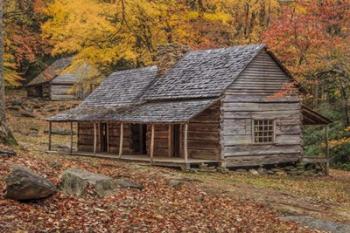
column 263, row 131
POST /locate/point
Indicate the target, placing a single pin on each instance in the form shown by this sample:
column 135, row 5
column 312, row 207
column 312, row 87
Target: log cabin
column 55, row 83
column 219, row 106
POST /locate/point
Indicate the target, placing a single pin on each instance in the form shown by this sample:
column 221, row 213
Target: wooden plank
column 121, row 139
column 152, row 143
column 260, row 106
column 170, row 140
column 258, row 160
column 288, row 139
column 63, row 97
column 50, row 135
column 71, row 137
column 238, row 98
column 95, row 137
column 260, row 149
column 231, row 140
column 186, row 143
column 107, row 135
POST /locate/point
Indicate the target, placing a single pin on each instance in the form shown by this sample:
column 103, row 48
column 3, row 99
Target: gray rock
column 261, row 170
column 319, row 224
column 241, row 170
column 26, row 114
column 51, row 110
column 16, row 102
column 126, row 183
column 254, row 172
column 77, row 181
column 175, row 183
column 14, row 108
column 7, row 153
column 24, row 184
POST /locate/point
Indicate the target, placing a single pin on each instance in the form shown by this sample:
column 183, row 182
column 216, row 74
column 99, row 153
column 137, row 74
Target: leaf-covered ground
column 157, row 208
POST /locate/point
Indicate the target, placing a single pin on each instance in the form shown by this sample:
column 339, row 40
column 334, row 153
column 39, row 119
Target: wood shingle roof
column 51, row 71
column 122, row 88
column 195, row 83
column 205, row 73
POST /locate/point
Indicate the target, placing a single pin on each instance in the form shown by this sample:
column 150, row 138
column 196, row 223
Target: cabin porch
column 162, row 161
column 184, row 145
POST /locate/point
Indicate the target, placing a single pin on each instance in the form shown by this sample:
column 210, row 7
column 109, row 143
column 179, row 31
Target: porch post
column 50, row 129
column 107, row 135
column 71, row 137
column 121, row 139
column 327, row 149
column 95, row 137
column 186, row 143
column 152, row 143
column 170, row 141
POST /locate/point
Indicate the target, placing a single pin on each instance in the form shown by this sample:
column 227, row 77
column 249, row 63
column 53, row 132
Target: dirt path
column 327, row 215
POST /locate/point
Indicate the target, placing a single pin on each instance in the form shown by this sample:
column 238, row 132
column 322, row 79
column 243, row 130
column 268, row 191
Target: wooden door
column 138, row 132
column 103, row 137
column 176, row 141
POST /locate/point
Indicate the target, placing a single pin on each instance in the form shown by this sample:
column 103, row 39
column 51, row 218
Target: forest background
column 310, row 37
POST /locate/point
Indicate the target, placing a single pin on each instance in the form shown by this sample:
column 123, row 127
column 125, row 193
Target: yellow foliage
column 11, row 77
column 107, row 32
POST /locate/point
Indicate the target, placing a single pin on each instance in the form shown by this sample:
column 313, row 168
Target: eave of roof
column 311, row 117
column 152, row 112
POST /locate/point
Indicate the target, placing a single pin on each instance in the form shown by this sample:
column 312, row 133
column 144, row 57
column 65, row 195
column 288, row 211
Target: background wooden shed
column 55, row 83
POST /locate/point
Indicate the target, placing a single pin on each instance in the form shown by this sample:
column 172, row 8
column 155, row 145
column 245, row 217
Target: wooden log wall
column 252, row 96
column 34, row 91
column 203, row 134
column 86, row 138
column 114, row 138
column 61, row 87
column 161, row 145
column 46, row 90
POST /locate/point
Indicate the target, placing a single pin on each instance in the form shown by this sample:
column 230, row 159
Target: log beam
column 71, row 137
column 170, row 141
column 152, row 143
column 95, row 137
column 186, row 143
column 50, row 133
column 121, row 139
column 107, row 134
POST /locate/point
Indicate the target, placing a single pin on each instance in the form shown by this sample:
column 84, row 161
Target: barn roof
column 204, row 73
column 51, row 71
column 152, row 112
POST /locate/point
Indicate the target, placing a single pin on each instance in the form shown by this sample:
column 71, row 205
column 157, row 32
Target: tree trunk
column 6, row 136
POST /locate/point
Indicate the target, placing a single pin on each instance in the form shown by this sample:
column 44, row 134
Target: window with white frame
column 263, row 131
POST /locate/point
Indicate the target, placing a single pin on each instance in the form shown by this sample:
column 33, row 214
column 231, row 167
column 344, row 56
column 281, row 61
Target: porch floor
column 157, row 160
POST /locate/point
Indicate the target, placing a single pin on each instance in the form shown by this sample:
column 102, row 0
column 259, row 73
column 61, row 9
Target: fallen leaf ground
column 207, row 202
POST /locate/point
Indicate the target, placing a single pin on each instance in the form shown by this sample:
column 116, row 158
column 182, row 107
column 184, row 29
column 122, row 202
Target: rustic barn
column 220, row 106
column 55, row 83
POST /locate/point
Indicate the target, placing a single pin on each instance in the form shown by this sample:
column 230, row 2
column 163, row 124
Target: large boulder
column 80, row 182
column 126, row 183
column 23, row 184
column 76, row 182
column 7, row 153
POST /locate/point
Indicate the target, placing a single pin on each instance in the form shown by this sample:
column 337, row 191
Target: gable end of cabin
column 259, row 124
